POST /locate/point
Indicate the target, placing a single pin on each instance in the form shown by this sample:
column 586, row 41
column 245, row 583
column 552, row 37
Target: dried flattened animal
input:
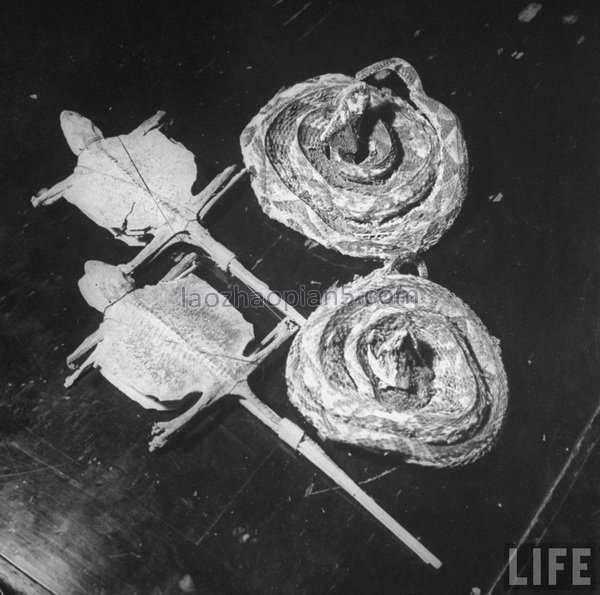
column 397, row 363
column 129, row 184
column 353, row 165
column 157, row 345
column 160, row 343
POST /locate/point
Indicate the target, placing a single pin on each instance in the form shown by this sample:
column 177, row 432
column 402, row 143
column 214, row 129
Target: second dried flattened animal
column 157, row 348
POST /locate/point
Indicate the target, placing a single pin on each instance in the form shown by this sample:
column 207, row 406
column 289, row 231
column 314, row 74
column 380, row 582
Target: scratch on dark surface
column 76, row 483
column 25, row 298
column 362, row 483
column 23, row 347
column 234, row 437
column 22, row 472
column 262, row 256
column 12, row 461
column 297, row 14
column 559, row 490
column 49, row 445
column 234, row 497
column 203, row 68
column 123, row 554
column 551, row 442
column 326, row 15
column 42, row 461
column 111, row 409
column 71, row 551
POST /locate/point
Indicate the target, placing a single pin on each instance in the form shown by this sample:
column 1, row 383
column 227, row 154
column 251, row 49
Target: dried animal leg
column 90, row 361
column 155, row 122
column 47, row 196
column 89, row 343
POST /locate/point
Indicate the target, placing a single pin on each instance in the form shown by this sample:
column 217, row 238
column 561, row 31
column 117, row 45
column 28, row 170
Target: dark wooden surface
column 84, row 507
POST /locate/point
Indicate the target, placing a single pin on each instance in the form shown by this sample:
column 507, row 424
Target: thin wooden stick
column 181, row 269
column 214, row 196
column 216, row 184
column 295, row 437
column 237, row 269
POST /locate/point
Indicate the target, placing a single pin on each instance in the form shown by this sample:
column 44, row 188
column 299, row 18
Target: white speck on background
column 186, row 584
column 570, row 19
column 530, row 12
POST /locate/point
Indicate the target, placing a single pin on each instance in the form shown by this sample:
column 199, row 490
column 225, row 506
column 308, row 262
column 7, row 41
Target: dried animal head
column 395, row 362
column 357, row 168
column 103, row 284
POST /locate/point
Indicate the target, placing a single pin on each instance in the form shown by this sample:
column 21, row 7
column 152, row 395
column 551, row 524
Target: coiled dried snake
column 395, row 362
column 357, row 168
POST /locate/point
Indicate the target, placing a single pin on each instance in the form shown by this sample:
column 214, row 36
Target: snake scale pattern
column 356, row 167
column 397, row 363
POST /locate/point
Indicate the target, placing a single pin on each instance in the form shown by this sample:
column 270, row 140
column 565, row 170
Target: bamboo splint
column 295, row 437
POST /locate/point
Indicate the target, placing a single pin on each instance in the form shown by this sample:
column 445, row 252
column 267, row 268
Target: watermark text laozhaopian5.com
column 302, row 297
column 564, row 568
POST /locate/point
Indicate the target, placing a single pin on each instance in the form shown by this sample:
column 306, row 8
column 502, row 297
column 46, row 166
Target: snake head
column 356, row 99
column 398, row 365
column 351, row 104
